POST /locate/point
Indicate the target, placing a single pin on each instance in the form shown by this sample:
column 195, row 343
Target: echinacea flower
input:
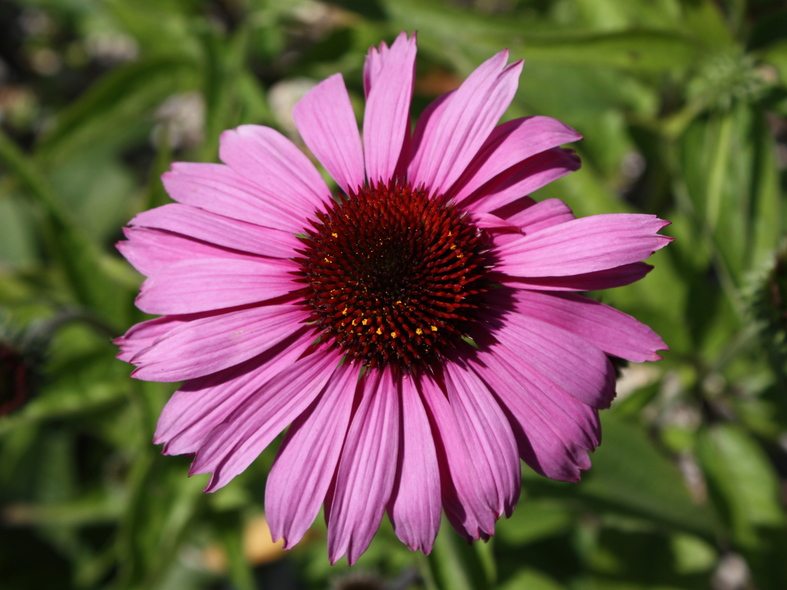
column 418, row 331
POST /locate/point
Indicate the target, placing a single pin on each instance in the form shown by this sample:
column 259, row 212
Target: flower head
column 418, row 331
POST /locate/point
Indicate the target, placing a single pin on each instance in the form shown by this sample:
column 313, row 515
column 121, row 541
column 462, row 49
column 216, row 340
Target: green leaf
column 224, row 64
column 729, row 165
column 636, row 50
column 706, row 21
column 532, row 579
column 630, row 475
column 78, row 257
column 114, row 105
column 742, row 482
column 456, row 565
column 230, row 528
column 534, row 520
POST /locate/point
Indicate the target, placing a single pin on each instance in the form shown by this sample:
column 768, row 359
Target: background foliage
column 683, row 104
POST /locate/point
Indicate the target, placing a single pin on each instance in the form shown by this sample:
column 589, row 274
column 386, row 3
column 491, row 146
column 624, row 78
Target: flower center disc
column 392, row 275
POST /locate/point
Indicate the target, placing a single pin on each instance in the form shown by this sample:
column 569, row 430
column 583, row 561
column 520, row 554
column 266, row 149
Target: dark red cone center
column 393, row 276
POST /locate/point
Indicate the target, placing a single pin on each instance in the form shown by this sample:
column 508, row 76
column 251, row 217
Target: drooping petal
column 204, row 346
column 554, row 430
column 583, row 245
column 449, row 138
column 204, row 284
column 592, row 281
column 365, row 477
column 569, row 361
column 510, row 144
column 235, row 443
column 387, row 116
column 325, row 120
column 613, row 331
column 465, row 493
column 272, row 162
column 307, row 459
column 219, row 230
column 414, row 509
column 487, row 434
column 220, row 189
column 201, row 404
column 522, row 179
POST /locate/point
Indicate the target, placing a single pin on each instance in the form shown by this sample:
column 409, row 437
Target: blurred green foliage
column 683, row 104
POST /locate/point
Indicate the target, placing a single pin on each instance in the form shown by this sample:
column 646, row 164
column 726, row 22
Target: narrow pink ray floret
column 419, row 332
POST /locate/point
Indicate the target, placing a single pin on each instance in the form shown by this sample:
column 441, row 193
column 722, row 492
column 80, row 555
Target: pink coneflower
column 416, row 331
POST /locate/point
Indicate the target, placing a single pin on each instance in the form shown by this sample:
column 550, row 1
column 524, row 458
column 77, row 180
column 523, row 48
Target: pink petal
column 307, row 459
column 509, row 144
column 142, row 335
column 373, row 65
column 414, row 509
column 220, row 189
column 149, row 250
column 450, row 137
column 542, row 215
column 583, row 245
column 553, row 430
column 514, row 207
column 569, row 361
column 528, row 220
column 592, row 281
column 325, row 120
column 613, row 331
column 201, row 404
column 280, row 170
column 204, row 346
column 387, row 116
column 487, row 435
column 365, row 478
column 465, row 492
column 204, row 284
column 520, row 180
column 231, row 446
column 219, row 230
